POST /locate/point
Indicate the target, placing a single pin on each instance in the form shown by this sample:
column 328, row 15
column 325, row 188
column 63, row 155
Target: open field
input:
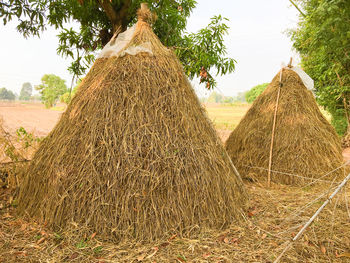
column 35, row 118
column 226, row 117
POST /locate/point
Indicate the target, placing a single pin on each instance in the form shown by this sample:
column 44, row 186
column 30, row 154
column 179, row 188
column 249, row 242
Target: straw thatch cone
column 305, row 144
column 134, row 156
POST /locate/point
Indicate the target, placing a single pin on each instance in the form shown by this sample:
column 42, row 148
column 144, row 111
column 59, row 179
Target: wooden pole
column 340, row 186
column 273, row 130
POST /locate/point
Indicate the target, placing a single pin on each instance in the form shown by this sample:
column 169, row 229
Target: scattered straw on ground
column 274, row 216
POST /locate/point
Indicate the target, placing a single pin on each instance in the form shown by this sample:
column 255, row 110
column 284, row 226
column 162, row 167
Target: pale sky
column 256, row 39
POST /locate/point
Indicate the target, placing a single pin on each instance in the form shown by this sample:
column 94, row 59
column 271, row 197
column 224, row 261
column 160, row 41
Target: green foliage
column 7, row 94
column 27, row 139
column 68, row 96
column 10, row 151
column 340, row 123
column 323, row 40
column 26, row 91
column 57, row 237
column 98, row 250
column 51, row 88
column 202, row 54
column 31, row 15
column 82, row 244
column 204, row 50
column 254, row 92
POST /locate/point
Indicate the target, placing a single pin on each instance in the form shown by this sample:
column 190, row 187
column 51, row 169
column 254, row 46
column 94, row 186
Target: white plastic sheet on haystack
column 308, row 82
column 115, row 47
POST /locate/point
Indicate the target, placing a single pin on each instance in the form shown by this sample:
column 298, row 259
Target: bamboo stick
column 273, row 130
column 340, row 186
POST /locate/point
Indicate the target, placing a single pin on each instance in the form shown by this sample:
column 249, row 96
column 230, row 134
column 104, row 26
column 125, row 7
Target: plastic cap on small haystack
column 307, row 80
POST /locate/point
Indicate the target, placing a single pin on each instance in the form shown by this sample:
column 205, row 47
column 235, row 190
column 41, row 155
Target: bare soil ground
column 33, row 117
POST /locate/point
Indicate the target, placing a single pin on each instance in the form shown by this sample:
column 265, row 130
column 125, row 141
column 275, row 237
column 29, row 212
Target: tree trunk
column 119, row 17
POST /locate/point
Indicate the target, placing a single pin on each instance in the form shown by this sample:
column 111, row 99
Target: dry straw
column 134, row 156
column 305, row 144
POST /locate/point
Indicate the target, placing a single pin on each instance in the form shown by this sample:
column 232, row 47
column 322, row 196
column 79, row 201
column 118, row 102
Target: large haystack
column 305, row 144
column 134, row 156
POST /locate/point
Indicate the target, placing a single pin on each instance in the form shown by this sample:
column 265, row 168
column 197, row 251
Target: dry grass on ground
column 274, row 217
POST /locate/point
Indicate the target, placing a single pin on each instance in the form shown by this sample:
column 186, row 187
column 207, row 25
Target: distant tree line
column 246, row 96
column 216, row 97
column 6, row 94
column 25, row 94
column 51, row 89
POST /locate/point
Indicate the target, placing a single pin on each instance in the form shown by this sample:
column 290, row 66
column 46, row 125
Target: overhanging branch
column 119, row 17
column 301, row 12
column 110, row 12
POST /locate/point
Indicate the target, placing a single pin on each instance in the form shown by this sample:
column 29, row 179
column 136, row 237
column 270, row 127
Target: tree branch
column 301, row 12
column 118, row 18
column 123, row 14
column 110, row 12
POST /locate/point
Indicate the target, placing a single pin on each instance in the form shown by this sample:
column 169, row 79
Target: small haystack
column 134, row 156
column 305, row 144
